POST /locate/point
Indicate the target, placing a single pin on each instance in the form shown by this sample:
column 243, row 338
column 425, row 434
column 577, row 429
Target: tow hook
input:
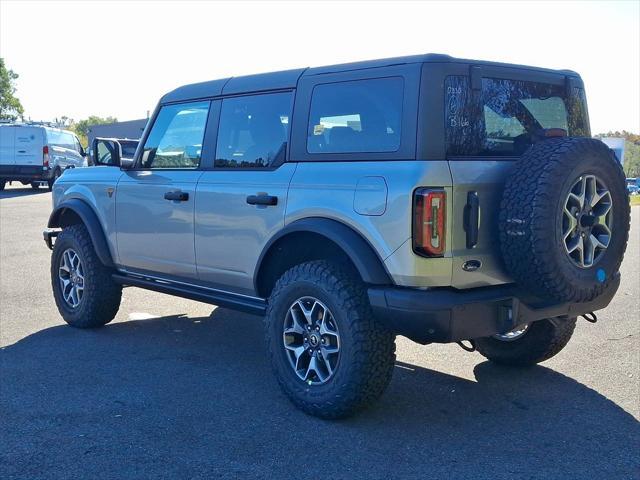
column 467, row 348
column 590, row 317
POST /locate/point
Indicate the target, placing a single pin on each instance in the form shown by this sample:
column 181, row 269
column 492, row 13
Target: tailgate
column 481, row 182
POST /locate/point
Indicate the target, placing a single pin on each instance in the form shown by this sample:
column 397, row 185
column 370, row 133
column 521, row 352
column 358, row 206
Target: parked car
column 100, row 154
column 633, row 186
column 441, row 199
column 35, row 154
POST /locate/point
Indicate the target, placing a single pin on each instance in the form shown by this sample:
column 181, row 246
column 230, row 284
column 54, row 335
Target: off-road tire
column 530, row 221
column 542, row 340
column 367, row 354
column 101, row 298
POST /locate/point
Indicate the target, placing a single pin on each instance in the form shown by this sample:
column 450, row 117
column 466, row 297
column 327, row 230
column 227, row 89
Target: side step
column 255, row 306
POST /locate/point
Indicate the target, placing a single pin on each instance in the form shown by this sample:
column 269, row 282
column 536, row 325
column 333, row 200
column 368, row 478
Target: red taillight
column 429, row 222
column 45, row 156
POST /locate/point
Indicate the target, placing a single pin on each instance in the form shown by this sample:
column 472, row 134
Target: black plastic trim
column 443, row 315
column 90, row 220
column 471, row 221
column 256, row 306
column 369, row 265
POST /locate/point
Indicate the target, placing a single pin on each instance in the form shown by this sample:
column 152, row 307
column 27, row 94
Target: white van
column 35, row 154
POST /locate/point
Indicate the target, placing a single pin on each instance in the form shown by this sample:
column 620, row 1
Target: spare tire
column 564, row 219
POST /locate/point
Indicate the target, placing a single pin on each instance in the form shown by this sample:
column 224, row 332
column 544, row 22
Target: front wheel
column 528, row 344
column 83, row 289
column 329, row 354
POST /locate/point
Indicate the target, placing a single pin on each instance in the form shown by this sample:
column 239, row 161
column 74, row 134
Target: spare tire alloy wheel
column 71, row 277
column 587, row 221
column 311, row 340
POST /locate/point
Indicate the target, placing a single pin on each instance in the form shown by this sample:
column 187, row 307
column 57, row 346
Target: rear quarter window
column 360, row 116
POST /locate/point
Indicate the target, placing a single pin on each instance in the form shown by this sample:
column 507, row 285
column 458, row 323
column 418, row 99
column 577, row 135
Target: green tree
column 10, row 106
column 82, row 127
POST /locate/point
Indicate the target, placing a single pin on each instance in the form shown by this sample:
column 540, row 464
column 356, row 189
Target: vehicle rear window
column 506, row 116
column 359, row 116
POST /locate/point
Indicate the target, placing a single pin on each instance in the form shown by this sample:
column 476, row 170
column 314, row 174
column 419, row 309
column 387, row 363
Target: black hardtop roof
column 287, row 79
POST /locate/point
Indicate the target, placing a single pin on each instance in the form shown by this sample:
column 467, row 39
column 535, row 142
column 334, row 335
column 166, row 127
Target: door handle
column 262, row 199
column 177, row 196
column 472, row 218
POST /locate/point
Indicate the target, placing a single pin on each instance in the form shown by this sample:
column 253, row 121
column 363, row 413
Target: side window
column 61, row 139
column 358, row 116
column 55, row 138
column 253, row 130
column 69, row 141
column 175, row 140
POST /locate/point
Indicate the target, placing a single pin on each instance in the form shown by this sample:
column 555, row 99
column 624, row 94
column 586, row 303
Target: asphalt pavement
column 177, row 389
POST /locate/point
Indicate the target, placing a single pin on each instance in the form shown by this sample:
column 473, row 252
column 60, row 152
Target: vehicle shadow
column 12, row 192
column 177, row 397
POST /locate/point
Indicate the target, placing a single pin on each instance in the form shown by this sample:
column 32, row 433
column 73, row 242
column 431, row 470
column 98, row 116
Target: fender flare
column 90, row 220
column 360, row 252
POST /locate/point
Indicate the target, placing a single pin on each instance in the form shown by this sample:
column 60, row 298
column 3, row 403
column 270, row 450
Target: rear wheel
column 329, row 354
column 83, row 289
column 528, row 344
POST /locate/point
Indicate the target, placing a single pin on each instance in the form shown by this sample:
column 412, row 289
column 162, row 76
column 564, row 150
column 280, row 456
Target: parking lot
column 177, row 389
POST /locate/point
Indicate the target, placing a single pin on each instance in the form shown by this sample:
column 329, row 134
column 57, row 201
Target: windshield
column 507, row 116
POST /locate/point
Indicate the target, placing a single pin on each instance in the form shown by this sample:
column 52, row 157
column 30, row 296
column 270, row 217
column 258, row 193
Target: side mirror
column 126, row 163
column 82, row 152
column 106, row 152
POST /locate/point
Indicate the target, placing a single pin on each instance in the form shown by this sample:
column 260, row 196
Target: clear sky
column 81, row 58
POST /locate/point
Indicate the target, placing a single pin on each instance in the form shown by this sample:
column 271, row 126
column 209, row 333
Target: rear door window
column 506, row 116
column 253, row 131
column 361, row 116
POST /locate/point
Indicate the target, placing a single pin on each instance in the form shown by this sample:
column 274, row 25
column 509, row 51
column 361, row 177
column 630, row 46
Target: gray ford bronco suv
column 441, row 199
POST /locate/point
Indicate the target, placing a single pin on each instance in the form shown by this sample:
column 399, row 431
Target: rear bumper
column 445, row 315
column 24, row 172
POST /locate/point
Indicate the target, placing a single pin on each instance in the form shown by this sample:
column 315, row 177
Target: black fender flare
column 369, row 265
column 90, row 220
